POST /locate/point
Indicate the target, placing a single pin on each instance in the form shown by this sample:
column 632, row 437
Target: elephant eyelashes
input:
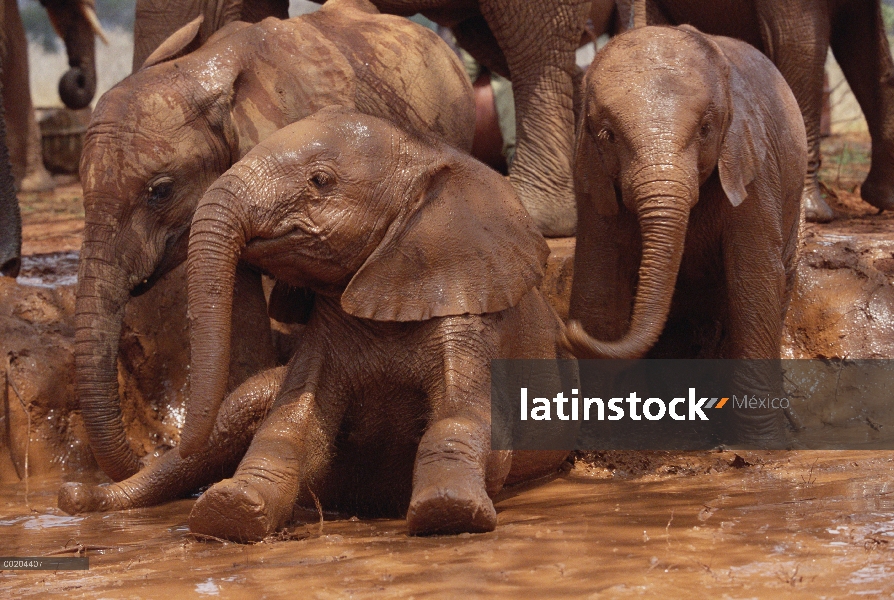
column 606, row 135
column 159, row 192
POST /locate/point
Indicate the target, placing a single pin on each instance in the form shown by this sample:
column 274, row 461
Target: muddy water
column 798, row 524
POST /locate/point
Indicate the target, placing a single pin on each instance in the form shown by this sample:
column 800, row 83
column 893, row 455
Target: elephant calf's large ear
column 745, row 144
column 466, row 246
column 183, row 41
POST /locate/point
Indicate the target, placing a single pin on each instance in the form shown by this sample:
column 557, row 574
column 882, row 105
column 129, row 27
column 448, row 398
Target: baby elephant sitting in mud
column 425, row 267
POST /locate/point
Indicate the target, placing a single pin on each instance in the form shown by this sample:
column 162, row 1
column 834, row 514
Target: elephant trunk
column 663, row 220
column 216, row 240
column 101, row 297
column 78, row 26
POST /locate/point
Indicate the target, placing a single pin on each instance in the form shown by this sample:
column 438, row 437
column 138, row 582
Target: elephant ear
column 464, row 245
column 590, row 179
column 181, row 42
column 745, row 142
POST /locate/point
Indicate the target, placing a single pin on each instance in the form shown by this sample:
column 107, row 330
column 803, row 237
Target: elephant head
column 399, row 227
column 76, row 23
column 663, row 111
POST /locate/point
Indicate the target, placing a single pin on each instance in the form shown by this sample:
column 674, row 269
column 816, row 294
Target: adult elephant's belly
column 732, row 18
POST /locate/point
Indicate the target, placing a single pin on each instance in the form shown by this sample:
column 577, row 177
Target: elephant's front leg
column 455, row 469
column 170, row 476
column 756, row 292
column 291, row 449
column 539, row 40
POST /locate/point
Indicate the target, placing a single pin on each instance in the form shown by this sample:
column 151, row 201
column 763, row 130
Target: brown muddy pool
column 785, row 524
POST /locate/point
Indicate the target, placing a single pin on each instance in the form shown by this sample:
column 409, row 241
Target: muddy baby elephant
column 425, row 267
column 689, row 166
column 160, row 137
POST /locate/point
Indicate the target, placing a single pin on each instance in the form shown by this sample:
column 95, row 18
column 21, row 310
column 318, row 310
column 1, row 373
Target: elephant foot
column 878, row 192
column 76, row 498
column 233, row 510
column 37, row 181
column 815, row 208
column 449, row 510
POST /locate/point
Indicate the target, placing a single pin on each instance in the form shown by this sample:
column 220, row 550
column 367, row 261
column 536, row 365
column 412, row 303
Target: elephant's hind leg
column 169, row 476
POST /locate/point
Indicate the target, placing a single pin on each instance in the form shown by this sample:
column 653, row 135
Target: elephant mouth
column 172, row 257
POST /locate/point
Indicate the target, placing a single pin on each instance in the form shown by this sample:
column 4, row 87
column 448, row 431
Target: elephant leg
column 797, row 41
column 37, row 178
column 455, row 468
column 541, row 76
column 756, row 281
column 291, row 449
column 10, row 217
column 170, row 476
column 860, row 45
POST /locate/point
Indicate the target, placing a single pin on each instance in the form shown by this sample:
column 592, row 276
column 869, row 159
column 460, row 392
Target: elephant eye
column 705, row 130
column 159, row 191
column 606, row 135
column 320, row 179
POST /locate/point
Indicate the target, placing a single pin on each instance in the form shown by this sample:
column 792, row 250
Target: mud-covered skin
column 796, row 35
column 163, row 135
column 169, row 476
column 425, row 266
column 689, row 206
column 385, row 419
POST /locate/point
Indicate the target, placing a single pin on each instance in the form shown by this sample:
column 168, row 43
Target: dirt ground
column 613, row 525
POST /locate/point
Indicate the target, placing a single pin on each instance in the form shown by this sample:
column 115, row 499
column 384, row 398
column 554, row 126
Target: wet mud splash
column 797, row 524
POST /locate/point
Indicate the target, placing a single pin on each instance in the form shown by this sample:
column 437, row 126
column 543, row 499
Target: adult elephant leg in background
column 542, row 84
column 21, row 124
column 10, row 219
column 156, row 20
column 860, row 45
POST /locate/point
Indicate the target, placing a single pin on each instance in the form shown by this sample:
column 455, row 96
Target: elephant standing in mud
column 163, row 135
column 385, row 408
column 689, row 166
column 796, row 35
